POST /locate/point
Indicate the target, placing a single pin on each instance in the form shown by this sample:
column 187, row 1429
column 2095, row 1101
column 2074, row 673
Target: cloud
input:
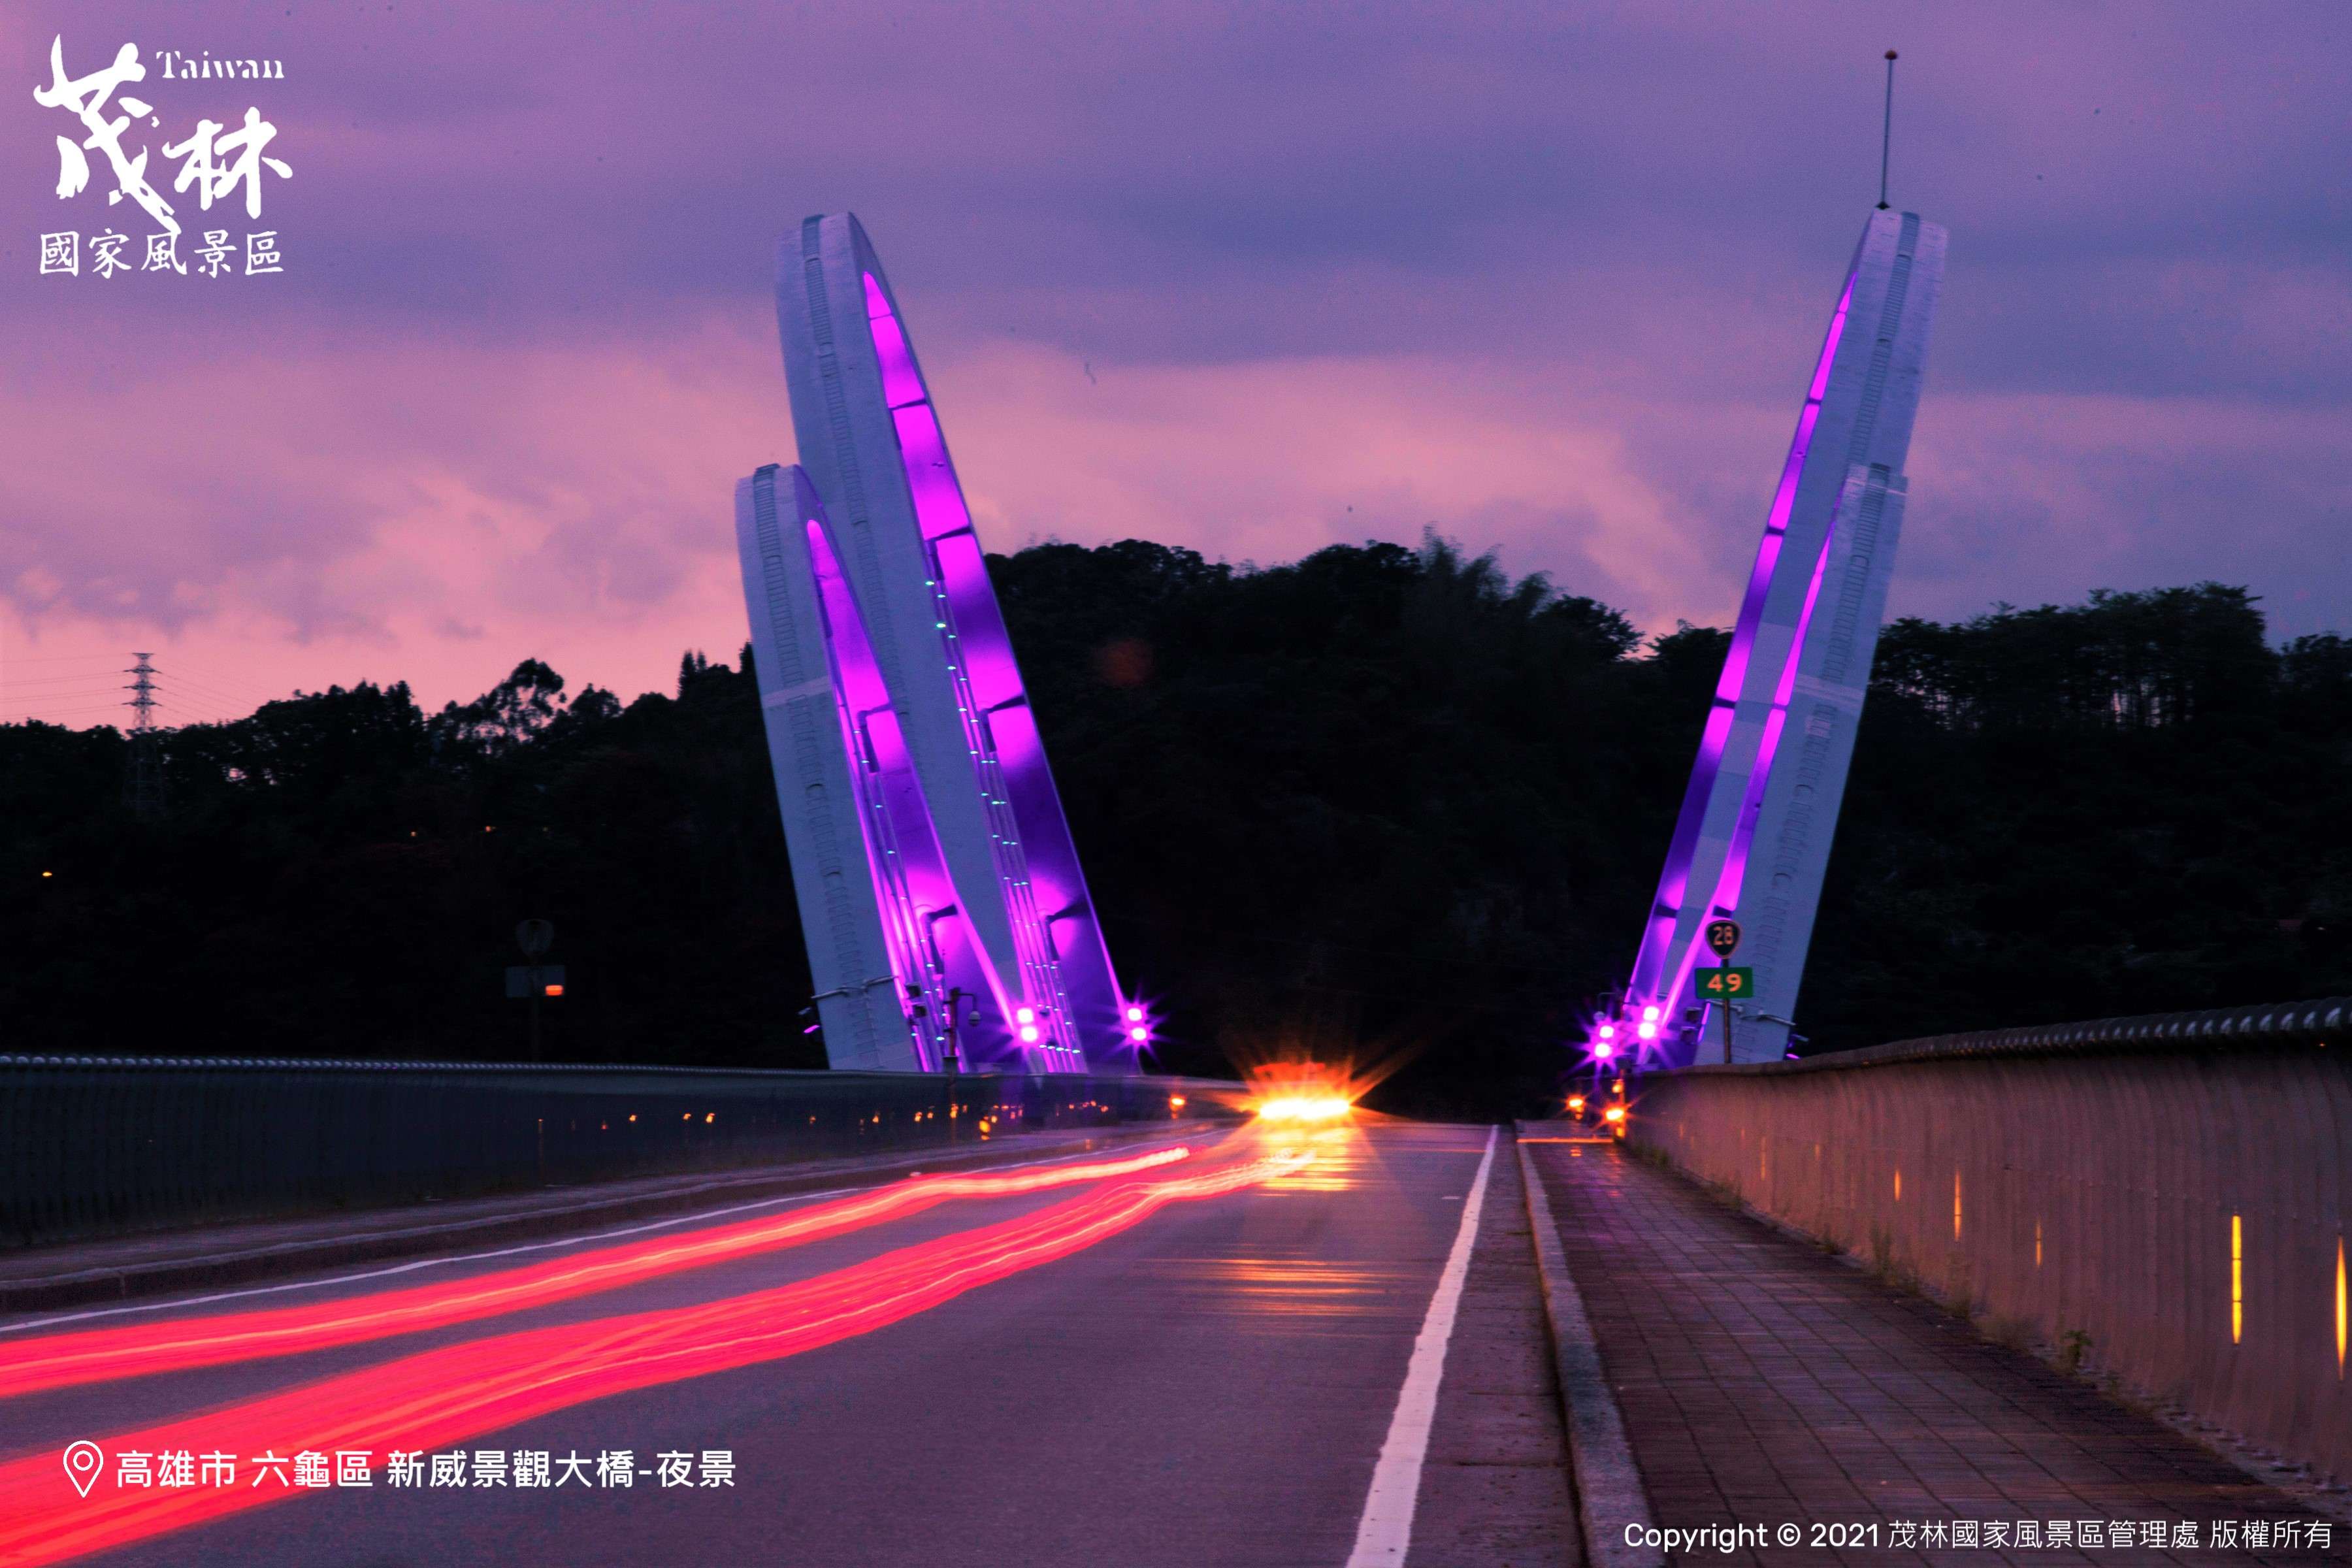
column 401, row 510
column 1547, row 279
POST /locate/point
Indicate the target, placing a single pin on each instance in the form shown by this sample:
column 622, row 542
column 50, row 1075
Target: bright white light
column 1138, row 1033
column 1135, row 1015
column 1604, row 1051
column 1649, row 1031
column 1608, row 1031
column 1303, row 1108
column 1028, row 1033
column 1024, row 1015
column 1650, row 1014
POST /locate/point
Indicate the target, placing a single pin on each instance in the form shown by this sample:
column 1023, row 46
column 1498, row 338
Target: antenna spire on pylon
column 1886, row 131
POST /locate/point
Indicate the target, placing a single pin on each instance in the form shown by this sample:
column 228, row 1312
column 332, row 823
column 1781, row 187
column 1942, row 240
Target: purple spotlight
column 1604, row 1050
column 1028, row 1033
column 1139, row 1034
column 1648, row 1031
column 1135, row 1015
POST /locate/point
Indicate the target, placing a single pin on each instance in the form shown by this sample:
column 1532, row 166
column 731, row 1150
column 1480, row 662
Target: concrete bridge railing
column 2162, row 1199
column 96, row 1145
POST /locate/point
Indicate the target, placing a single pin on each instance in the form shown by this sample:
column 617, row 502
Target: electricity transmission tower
column 144, row 788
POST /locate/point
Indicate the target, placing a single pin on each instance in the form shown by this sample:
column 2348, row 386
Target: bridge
column 990, row 1290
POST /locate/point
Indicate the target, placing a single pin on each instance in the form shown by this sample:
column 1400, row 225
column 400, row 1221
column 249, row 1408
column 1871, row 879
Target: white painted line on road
column 172, row 1303
column 1386, row 1530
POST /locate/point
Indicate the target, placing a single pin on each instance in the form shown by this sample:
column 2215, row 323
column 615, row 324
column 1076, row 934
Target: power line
column 7, row 685
column 217, row 694
column 109, row 707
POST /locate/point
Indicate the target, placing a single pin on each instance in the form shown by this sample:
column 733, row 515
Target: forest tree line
column 1381, row 803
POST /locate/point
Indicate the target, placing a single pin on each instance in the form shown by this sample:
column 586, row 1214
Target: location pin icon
column 83, row 1461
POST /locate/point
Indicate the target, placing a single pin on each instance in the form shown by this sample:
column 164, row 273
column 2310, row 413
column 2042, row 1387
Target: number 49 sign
column 1725, row 984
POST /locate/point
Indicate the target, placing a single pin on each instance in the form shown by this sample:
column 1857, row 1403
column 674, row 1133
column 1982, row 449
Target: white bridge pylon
column 938, row 888
column 1752, row 839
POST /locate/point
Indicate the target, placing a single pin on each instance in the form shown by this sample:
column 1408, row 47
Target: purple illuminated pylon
column 1833, row 526
column 807, row 614
column 969, row 852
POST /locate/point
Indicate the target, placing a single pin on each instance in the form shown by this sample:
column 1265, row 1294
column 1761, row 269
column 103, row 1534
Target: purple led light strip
column 879, row 760
column 940, row 514
column 1658, row 932
column 1725, row 898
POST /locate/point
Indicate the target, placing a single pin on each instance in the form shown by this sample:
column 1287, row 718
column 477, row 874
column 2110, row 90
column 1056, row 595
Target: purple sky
column 1250, row 279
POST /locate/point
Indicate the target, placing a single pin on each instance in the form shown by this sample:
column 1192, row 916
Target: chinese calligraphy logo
column 214, row 167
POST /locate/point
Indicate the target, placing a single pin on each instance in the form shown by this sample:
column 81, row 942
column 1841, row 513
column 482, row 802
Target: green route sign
column 1725, row 984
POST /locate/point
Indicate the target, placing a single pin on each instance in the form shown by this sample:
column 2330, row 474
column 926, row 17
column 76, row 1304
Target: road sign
column 1722, row 938
column 1725, row 984
column 535, row 937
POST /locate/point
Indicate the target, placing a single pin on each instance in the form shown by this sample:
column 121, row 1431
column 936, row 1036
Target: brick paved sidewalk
column 1764, row 1381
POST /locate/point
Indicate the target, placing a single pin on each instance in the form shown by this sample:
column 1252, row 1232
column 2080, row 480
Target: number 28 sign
column 1725, row 985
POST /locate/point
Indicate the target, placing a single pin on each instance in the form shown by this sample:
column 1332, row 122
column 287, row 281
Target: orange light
column 555, row 991
column 1301, row 1093
column 1576, row 1103
column 1175, row 1102
column 1614, row 1113
column 2340, row 1312
column 709, row 1118
column 49, row 873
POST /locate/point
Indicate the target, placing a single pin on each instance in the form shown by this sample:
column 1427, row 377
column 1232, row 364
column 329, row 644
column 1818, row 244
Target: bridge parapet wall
column 2162, row 1198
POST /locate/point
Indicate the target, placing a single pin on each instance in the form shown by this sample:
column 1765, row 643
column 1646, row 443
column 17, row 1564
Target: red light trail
column 446, row 1395
column 101, row 1355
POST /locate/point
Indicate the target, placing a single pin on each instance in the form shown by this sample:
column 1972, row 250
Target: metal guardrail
column 2282, row 1023
column 100, row 1145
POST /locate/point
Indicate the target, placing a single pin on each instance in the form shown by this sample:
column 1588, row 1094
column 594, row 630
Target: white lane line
column 1386, row 1530
column 174, row 1303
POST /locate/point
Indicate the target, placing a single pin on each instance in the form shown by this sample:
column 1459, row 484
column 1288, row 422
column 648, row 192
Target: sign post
column 1723, row 940
column 535, row 937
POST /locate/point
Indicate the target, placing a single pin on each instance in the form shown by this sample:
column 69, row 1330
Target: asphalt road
column 1211, row 1383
